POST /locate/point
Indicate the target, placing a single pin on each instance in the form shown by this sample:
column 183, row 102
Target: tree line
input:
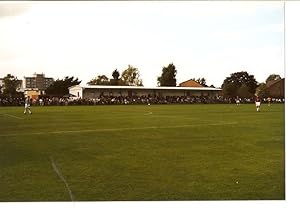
column 129, row 77
column 239, row 84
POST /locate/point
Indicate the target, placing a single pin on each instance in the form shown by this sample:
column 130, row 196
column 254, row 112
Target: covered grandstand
column 96, row 91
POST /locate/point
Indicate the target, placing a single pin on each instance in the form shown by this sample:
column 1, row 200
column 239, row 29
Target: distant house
column 275, row 88
column 190, row 83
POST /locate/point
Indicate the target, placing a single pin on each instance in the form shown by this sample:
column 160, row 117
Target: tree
column 116, row 74
column 201, row 81
column 168, row 76
column 99, row 80
column 116, row 80
column 1, row 87
column 229, row 90
column 243, row 92
column 232, row 84
column 273, row 77
column 60, row 87
column 131, row 76
column 10, row 85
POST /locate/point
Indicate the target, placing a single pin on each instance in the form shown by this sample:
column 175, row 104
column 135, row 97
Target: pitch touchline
column 13, row 116
column 62, row 178
column 118, row 129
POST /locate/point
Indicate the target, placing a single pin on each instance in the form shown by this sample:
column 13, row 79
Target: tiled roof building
column 190, row 83
column 275, row 88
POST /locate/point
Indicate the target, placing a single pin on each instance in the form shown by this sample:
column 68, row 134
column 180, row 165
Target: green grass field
column 140, row 152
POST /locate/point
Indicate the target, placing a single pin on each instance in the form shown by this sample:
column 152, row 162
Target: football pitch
column 141, row 152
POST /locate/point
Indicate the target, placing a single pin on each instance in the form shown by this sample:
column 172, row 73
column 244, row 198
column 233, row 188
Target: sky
column 87, row 39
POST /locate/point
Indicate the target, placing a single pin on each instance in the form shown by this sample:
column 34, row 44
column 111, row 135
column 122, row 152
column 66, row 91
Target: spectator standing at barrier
column 238, row 101
column 41, row 102
column 269, row 101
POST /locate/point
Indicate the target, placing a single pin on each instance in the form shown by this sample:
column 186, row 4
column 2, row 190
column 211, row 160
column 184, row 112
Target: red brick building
column 275, row 88
column 190, row 83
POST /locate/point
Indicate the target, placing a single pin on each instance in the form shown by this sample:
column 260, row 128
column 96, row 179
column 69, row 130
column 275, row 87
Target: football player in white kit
column 27, row 105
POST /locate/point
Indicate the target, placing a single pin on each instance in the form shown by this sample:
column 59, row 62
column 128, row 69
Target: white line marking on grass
column 13, row 116
column 222, row 123
column 148, row 113
column 121, row 129
column 62, row 178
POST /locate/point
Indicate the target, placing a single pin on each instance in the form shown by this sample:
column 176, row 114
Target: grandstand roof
column 145, row 88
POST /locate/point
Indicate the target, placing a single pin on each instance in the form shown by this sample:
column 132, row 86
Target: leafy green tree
column 99, row 80
column 229, row 89
column 201, row 81
column 131, row 77
column 116, row 74
column 243, row 92
column 232, row 84
column 11, row 84
column 60, row 87
column 116, row 80
column 168, row 76
column 273, row 77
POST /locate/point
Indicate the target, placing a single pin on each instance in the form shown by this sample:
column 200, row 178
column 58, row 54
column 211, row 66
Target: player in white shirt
column 27, row 105
column 257, row 103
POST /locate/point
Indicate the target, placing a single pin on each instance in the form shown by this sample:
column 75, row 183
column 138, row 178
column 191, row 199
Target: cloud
column 13, row 8
column 203, row 39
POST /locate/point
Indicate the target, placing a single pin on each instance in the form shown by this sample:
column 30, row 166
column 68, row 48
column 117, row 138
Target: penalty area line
column 13, row 116
column 62, row 178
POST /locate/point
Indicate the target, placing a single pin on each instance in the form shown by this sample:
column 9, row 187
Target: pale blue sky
column 202, row 39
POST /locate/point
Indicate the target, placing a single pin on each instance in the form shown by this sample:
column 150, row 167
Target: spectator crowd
column 110, row 100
